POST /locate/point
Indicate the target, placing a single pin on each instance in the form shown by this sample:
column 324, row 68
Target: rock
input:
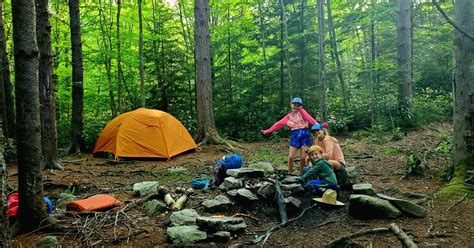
column 293, row 188
column 291, row 180
column 245, row 173
column 219, row 203
column 155, row 207
column 185, row 217
column 292, row 204
column 267, row 190
column 231, row 183
column 281, row 168
column 363, row 189
column 265, row 166
column 145, row 188
column 220, row 236
column 246, row 195
column 185, row 234
column 48, row 241
column 64, row 199
column 408, row 208
column 232, row 193
column 214, row 224
column 236, row 245
column 364, row 206
column 414, row 195
column 352, row 175
column 177, row 169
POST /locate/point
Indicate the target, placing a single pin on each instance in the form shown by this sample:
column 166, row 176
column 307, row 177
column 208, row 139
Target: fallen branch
column 456, row 203
column 78, row 161
column 401, row 235
column 246, row 215
column 281, row 203
column 361, row 156
column 438, row 235
column 266, row 235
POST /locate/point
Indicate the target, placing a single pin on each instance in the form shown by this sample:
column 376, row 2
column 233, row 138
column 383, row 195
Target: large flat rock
column 181, row 235
column 219, row 203
column 369, row 207
column 185, row 217
column 408, row 208
column 245, row 173
column 215, row 224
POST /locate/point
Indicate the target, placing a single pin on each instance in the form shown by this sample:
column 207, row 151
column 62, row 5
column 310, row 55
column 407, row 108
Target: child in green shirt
column 321, row 174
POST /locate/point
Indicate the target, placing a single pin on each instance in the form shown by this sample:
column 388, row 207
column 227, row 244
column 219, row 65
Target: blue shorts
column 300, row 137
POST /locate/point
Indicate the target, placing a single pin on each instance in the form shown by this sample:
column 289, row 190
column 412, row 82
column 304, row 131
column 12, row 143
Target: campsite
column 183, row 123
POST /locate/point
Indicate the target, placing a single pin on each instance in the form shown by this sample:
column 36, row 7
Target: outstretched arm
column 307, row 117
column 278, row 125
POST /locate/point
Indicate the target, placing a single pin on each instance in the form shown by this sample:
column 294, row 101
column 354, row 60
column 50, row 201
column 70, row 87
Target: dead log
column 179, row 204
column 281, row 203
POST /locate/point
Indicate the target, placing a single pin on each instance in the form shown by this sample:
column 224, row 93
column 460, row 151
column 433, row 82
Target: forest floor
column 449, row 221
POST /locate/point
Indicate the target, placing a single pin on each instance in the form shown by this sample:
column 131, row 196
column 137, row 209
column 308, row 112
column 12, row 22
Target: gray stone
column 48, row 241
column 185, row 217
column 408, row 208
column 265, row 166
column 220, row 236
column 232, row 192
column 185, row 234
column 247, row 195
column 292, row 203
column 145, row 188
column 177, row 169
column 415, row 195
column 363, row 189
column 281, row 168
column 64, row 199
column 231, row 183
column 267, row 190
column 291, row 180
column 155, row 207
column 352, row 175
column 293, row 188
column 219, row 203
column 214, row 224
column 245, row 173
column 364, row 206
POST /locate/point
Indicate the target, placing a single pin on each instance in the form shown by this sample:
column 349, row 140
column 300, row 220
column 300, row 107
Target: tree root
column 213, row 138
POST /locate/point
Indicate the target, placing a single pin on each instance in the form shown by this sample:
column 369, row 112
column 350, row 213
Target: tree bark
column 206, row 125
column 47, row 85
column 332, row 35
column 140, row 52
column 9, row 106
column 119, row 60
column 302, row 45
column 463, row 91
column 4, row 225
column 322, row 77
column 77, row 125
column 31, row 210
column 404, row 61
column 372, row 62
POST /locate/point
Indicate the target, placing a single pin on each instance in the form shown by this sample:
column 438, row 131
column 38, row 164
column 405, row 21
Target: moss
column 456, row 186
column 392, row 150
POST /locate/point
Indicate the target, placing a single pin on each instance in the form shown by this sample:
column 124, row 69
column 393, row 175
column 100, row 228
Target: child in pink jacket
column 298, row 121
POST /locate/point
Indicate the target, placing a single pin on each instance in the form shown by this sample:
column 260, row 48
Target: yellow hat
column 329, row 197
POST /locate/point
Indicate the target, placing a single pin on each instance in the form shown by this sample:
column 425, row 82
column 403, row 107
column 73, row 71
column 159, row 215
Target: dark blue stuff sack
column 232, row 161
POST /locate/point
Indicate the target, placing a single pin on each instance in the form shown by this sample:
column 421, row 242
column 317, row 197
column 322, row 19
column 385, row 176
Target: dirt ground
column 449, row 221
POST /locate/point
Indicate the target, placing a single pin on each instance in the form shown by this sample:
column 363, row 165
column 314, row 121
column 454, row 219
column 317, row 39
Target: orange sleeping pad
column 93, row 203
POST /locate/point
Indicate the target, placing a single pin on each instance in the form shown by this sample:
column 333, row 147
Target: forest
column 392, row 78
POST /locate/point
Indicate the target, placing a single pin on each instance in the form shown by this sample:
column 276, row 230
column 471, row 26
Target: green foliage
column 447, row 173
column 413, row 165
column 392, row 150
column 10, row 149
column 431, row 106
column 397, row 134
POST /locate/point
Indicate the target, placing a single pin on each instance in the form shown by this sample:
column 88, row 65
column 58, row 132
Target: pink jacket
column 294, row 120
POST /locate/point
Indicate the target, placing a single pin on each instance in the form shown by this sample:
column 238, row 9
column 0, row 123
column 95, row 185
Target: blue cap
column 316, row 127
column 297, row 100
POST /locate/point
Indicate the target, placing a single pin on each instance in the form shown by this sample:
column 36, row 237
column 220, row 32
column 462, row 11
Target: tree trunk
column 119, row 60
column 282, row 70
column 140, row 52
column 229, row 57
column 47, row 85
column 372, row 61
column 31, row 210
column 463, row 91
column 9, row 116
column 323, row 109
column 332, row 35
column 404, row 61
column 302, row 46
column 4, row 225
column 77, row 126
column 287, row 52
column 206, row 126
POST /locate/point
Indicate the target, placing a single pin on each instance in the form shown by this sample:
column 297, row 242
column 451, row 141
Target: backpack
column 232, row 161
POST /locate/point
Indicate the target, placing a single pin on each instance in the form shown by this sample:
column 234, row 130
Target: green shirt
column 321, row 170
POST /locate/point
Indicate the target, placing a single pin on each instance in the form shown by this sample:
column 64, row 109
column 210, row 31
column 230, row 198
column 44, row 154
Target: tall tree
column 31, row 210
column 47, row 85
column 463, row 91
column 372, row 62
column 140, row 52
column 404, row 57
column 119, row 60
column 332, row 36
column 9, row 106
column 323, row 109
column 4, row 226
column 287, row 49
column 77, row 125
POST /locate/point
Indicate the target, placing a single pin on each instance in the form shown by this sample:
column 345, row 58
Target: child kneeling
column 321, row 176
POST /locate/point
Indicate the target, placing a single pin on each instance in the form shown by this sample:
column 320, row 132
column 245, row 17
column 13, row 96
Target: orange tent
column 146, row 133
